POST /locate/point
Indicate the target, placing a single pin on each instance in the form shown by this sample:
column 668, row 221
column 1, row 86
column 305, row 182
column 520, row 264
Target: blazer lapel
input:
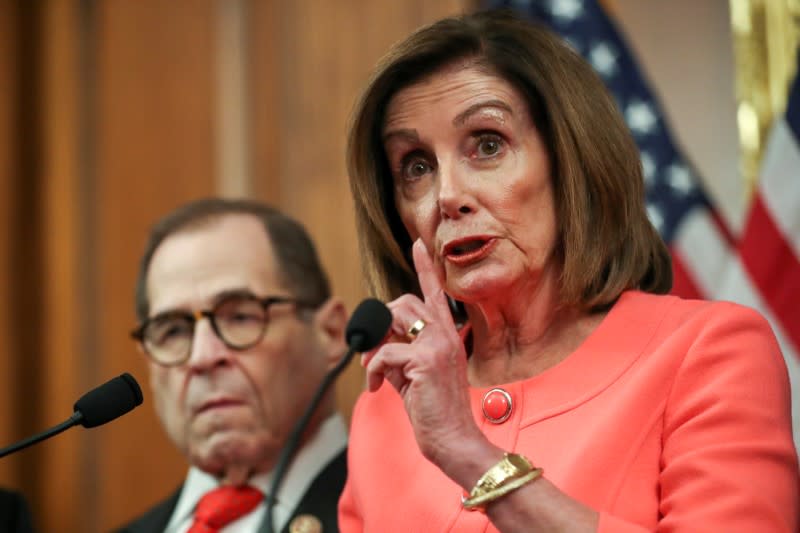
column 321, row 500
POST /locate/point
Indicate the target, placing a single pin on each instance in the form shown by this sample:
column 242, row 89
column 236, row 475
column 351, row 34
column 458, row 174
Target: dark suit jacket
column 321, row 500
column 15, row 517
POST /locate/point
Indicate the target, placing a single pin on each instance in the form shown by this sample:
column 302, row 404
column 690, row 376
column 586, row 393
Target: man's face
column 230, row 411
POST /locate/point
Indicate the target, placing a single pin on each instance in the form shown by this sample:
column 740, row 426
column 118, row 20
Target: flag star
column 655, row 216
column 603, row 58
column 566, row 10
column 640, row 117
column 648, row 167
column 680, row 178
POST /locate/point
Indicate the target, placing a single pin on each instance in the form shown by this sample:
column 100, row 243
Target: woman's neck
column 523, row 336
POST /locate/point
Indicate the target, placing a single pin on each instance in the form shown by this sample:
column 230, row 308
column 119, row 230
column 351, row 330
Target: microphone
column 102, row 404
column 366, row 328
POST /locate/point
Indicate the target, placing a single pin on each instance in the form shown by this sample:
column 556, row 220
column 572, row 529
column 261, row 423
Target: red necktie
column 223, row 505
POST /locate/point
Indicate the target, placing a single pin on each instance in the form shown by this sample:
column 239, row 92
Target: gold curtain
column 766, row 37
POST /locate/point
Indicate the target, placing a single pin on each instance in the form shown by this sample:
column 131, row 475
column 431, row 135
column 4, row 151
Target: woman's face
column 472, row 180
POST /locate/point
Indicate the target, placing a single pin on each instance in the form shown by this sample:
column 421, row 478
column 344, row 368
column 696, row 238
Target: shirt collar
column 329, row 440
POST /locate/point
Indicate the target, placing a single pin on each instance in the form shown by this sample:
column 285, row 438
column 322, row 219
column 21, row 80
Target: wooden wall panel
column 64, row 461
column 264, row 36
column 8, row 362
column 154, row 149
column 23, row 296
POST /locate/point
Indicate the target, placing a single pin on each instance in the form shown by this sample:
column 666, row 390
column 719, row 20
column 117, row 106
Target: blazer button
column 497, row 406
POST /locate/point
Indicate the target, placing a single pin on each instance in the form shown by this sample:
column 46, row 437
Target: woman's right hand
column 429, row 371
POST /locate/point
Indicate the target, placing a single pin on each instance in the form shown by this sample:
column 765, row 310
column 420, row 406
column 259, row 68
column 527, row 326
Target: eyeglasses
column 238, row 320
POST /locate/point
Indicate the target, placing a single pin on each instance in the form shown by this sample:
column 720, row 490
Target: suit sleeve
column 728, row 460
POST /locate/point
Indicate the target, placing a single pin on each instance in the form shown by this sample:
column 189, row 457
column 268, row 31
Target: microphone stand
column 100, row 405
column 294, row 439
column 75, row 419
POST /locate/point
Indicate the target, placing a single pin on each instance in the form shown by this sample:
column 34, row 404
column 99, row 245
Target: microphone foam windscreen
column 368, row 325
column 110, row 400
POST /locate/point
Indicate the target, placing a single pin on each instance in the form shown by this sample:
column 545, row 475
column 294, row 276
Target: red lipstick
column 462, row 252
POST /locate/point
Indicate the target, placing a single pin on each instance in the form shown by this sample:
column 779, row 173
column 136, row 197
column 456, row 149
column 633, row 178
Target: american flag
column 762, row 268
column 764, row 273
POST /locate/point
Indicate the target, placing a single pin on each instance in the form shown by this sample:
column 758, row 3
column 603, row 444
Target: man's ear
column 331, row 321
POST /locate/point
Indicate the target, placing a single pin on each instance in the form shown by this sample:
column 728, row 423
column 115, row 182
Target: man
column 239, row 327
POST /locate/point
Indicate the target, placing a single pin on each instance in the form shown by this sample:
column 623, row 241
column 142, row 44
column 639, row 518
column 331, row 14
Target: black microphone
column 102, row 404
column 366, row 329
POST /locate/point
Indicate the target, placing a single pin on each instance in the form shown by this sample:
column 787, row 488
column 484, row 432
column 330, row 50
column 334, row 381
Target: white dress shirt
column 327, row 443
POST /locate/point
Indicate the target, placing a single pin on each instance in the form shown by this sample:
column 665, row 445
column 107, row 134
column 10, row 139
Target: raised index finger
column 432, row 289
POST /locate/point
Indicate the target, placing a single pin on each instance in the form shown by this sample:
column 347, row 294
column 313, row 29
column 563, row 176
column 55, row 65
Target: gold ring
column 416, row 328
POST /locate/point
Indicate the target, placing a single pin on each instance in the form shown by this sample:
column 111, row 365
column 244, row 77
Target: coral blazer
column 673, row 416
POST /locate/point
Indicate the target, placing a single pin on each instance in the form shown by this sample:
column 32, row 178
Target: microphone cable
column 365, row 330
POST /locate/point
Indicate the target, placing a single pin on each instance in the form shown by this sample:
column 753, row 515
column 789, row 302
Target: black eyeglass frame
column 138, row 334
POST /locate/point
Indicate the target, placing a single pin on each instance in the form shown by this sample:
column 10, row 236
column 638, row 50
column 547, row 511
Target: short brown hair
column 298, row 263
column 606, row 242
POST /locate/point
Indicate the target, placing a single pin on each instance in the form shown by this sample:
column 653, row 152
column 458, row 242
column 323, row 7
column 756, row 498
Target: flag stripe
column 682, row 281
column 723, row 230
column 773, row 266
column 780, row 182
column 703, row 251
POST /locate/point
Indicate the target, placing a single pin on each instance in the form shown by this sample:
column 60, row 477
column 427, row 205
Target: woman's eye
column 415, row 168
column 489, row 146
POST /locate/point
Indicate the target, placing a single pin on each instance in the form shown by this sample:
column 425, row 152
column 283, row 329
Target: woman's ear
column 330, row 321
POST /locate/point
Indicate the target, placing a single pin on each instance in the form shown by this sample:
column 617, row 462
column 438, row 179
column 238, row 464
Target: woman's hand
column 429, row 371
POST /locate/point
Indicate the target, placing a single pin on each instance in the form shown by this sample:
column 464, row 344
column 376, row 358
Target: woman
column 490, row 167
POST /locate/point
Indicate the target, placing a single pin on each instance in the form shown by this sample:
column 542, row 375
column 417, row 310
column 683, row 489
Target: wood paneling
column 64, row 461
column 8, row 166
column 264, row 36
column 23, row 298
column 154, row 148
